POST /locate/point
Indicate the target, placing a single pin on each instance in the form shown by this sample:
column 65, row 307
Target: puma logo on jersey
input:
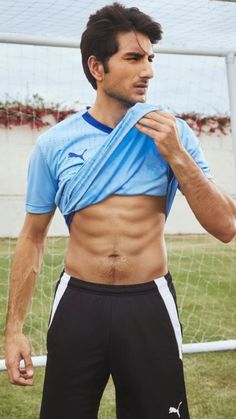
column 80, row 156
column 174, row 410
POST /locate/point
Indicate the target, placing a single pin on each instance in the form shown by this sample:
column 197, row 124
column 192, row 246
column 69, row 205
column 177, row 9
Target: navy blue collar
column 92, row 121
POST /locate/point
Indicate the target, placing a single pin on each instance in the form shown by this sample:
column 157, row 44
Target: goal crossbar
column 60, row 42
column 188, row 348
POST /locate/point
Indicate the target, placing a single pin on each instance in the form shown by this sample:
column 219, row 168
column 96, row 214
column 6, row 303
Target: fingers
column 157, row 122
column 29, row 369
column 151, row 132
column 154, row 129
column 161, row 116
column 153, row 124
column 21, row 376
column 162, row 128
column 18, row 351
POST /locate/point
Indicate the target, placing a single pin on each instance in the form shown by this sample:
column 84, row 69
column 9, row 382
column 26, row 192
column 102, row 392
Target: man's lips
column 141, row 87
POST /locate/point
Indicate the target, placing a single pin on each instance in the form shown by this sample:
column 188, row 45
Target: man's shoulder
column 59, row 133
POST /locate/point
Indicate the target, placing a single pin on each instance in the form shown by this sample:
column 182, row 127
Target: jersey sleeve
column 41, row 185
column 193, row 146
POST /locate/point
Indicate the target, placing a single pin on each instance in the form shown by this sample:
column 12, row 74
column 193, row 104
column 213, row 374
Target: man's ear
column 96, row 68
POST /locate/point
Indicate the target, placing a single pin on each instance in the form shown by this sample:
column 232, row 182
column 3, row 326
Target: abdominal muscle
column 118, row 241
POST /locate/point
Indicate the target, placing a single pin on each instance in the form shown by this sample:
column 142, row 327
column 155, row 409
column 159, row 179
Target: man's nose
column 147, row 71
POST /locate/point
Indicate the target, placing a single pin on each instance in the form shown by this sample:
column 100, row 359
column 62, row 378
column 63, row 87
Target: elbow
column 227, row 238
column 228, row 233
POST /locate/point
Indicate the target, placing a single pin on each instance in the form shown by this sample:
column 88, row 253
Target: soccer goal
column 198, row 85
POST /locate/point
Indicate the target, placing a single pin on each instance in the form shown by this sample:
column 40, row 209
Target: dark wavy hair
column 99, row 38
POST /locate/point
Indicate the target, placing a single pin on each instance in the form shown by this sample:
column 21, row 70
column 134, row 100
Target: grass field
column 210, row 379
column 205, row 279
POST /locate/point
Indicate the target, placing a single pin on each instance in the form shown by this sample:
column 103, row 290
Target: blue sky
column 181, row 83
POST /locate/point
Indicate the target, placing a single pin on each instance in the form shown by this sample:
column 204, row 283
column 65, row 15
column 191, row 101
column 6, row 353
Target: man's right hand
column 17, row 348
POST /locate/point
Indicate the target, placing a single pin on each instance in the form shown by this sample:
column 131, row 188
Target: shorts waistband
column 116, row 289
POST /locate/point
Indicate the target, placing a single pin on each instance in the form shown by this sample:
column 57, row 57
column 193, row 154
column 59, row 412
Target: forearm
column 214, row 210
column 25, row 271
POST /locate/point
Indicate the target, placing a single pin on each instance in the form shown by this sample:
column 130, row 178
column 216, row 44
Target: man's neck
column 108, row 112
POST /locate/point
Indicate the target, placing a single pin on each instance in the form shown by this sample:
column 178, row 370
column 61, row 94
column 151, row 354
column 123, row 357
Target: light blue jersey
column 80, row 162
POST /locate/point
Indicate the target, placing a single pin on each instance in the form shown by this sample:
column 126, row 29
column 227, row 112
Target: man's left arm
column 214, row 209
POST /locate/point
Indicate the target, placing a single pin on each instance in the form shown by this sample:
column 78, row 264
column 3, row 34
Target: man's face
column 129, row 69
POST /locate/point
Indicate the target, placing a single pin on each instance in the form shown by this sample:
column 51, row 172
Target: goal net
column 204, row 269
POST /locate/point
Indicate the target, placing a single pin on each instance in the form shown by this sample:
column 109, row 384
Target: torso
column 118, row 241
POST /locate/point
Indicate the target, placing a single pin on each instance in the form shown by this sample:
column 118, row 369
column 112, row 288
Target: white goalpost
column 205, row 271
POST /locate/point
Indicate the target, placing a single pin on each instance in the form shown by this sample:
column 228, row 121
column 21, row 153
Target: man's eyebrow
column 138, row 54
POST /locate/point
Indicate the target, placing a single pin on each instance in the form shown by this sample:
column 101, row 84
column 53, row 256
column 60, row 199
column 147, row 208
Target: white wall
column 15, row 148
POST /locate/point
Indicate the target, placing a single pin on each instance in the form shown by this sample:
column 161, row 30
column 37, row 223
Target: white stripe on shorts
column 168, row 299
column 59, row 293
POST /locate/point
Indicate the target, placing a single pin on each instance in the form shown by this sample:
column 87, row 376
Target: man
column 113, row 172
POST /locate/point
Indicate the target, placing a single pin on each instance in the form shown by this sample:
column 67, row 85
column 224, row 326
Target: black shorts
column 129, row 331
